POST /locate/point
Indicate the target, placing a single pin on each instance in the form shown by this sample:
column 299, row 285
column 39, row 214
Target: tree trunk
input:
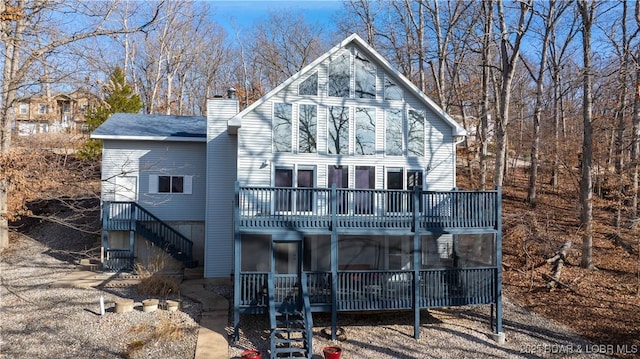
column 586, row 8
column 509, row 55
column 483, row 132
column 635, row 148
column 550, row 22
column 10, row 37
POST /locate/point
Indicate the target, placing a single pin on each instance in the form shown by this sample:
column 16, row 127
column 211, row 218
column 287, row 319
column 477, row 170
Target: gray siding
column 142, row 159
column 256, row 160
column 221, row 178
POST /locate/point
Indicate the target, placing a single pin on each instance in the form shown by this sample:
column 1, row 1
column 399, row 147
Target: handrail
column 308, row 319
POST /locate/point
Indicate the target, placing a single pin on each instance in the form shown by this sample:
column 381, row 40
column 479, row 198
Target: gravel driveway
column 41, row 322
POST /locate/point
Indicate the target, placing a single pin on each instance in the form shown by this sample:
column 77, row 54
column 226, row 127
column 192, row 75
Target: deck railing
column 322, row 208
column 380, row 290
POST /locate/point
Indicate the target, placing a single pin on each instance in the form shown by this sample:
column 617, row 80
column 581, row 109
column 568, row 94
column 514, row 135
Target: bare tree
column 635, row 139
column 487, row 11
column 282, row 45
column 587, row 10
column 509, row 55
column 21, row 53
column 549, row 14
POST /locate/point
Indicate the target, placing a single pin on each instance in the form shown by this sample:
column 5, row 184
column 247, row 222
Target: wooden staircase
column 133, row 217
column 291, row 323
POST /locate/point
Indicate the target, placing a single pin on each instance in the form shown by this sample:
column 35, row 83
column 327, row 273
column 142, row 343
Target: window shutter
column 188, row 184
column 153, row 183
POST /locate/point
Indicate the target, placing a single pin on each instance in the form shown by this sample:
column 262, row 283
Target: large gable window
column 391, row 90
column 307, row 128
column 338, row 125
column 365, row 76
column 309, row 86
column 339, row 76
column 365, row 131
column 282, row 113
column 393, row 132
column 415, row 131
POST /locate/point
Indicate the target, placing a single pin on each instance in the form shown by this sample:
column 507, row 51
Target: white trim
column 154, row 182
column 149, row 138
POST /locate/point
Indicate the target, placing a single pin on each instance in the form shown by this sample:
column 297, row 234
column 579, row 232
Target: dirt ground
column 602, row 304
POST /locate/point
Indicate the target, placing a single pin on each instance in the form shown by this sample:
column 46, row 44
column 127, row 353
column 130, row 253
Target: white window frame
column 403, row 129
column 187, row 185
column 295, row 127
column 350, row 131
column 24, row 108
column 317, row 83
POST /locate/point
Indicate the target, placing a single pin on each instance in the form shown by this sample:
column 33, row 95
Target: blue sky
column 244, row 12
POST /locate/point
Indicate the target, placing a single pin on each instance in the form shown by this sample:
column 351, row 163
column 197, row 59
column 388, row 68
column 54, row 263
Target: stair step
column 291, row 350
column 193, row 273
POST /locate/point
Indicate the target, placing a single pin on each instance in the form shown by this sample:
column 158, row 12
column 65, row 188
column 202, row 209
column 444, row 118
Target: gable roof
column 236, row 121
column 133, row 126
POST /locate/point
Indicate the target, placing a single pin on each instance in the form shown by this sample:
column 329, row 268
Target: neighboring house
column 334, row 192
column 63, row 112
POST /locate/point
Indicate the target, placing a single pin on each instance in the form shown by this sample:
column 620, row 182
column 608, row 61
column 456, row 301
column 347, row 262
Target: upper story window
column 24, row 108
column 391, row 90
column 307, row 128
column 393, row 132
column 66, row 107
column 339, row 76
column 365, row 76
column 281, row 131
column 309, row 86
column 42, row 108
column 338, row 128
column 365, row 131
column 415, row 132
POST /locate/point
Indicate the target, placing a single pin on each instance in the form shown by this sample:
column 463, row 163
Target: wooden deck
column 268, row 208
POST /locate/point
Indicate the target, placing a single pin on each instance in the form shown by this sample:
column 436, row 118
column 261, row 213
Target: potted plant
column 331, row 352
column 251, row 354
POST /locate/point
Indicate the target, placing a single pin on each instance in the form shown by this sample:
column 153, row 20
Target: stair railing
column 308, row 319
column 158, row 232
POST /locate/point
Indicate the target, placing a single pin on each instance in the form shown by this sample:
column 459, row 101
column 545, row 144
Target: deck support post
column 105, row 233
column 498, row 260
column 416, row 264
column 132, row 234
column 237, row 265
column 334, row 261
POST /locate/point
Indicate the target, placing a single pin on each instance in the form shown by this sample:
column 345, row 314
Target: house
column 334, row 192
column 64, row 112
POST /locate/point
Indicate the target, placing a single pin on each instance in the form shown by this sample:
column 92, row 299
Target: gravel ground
column 461, row 332
column 41, row 322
